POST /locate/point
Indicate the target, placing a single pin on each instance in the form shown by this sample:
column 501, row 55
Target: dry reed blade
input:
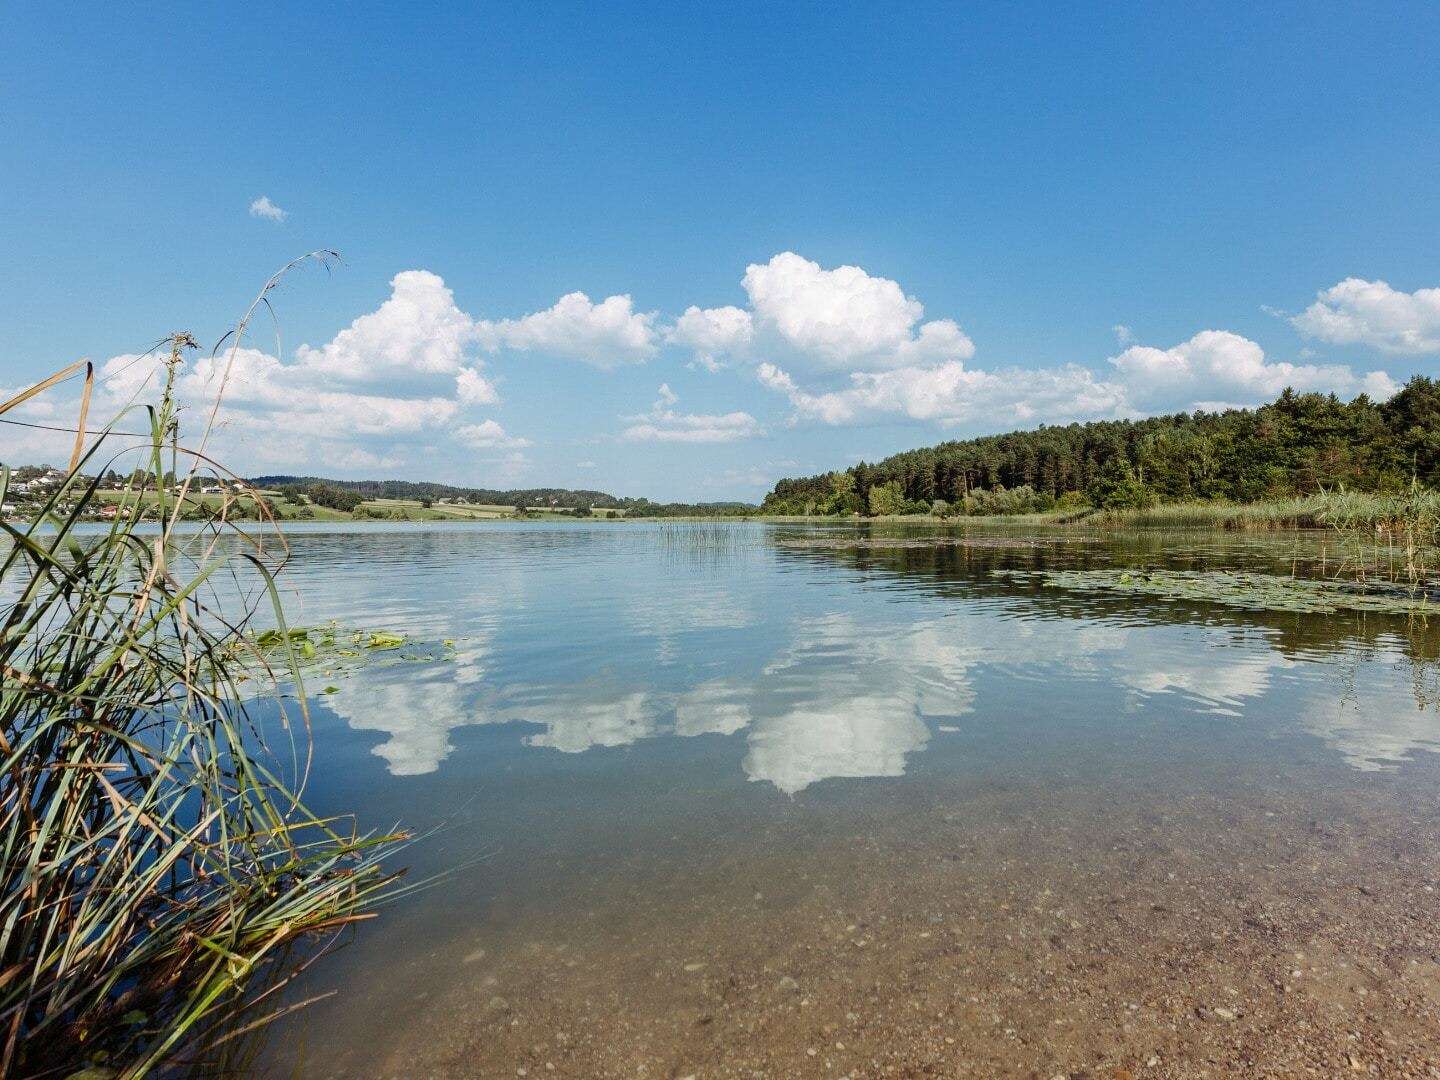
column 84, row 415
column 40, row 387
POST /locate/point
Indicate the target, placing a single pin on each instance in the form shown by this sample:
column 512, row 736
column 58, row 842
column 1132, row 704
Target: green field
column 413, row 510
column 370, row 509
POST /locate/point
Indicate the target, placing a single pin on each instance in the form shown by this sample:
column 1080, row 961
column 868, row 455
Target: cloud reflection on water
column 822, row 678
column 417, row 713
column 847, row 699
column 1385, row 714
column 575, row 725
column 716, row 707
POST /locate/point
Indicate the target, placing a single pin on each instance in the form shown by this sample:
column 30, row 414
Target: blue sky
column 899, row 224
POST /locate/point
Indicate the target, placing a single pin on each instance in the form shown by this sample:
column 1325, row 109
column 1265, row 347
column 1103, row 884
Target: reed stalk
column 161, row 879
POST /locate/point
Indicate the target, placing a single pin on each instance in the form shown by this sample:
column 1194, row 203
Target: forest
column 1299, row 444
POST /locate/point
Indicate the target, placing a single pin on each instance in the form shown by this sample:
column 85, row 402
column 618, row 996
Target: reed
column 161, row 879
column 1301, row 512
column 1394, row 536
column 1391, row 536
column 1383, row 512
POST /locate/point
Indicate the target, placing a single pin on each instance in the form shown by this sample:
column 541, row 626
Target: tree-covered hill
column 1298, row 444
column 410, row 489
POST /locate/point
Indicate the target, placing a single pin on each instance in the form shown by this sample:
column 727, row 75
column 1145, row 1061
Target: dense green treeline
column 645, row 508
column 1298, row 444
column 322, row 494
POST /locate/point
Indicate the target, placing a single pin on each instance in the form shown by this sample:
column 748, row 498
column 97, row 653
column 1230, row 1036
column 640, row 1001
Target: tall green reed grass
column 1298, row 512
column 161, row 880
column 1393, row 536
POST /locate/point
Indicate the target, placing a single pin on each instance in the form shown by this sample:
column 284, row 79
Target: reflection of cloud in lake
column 417, row 713
column 1383, row 720
column 936, row 657
column 843, row 694
column 717, row 707
column 469, row 655
column 573, row 725
column 1224, row 680
column 1376, row 738
column 840, row 700
column 667, row 614
column 1210, row 669
column 854, row 736
column 851, row 699
column 422, row 707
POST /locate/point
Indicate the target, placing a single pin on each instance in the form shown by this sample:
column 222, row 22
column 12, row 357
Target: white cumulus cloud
column 264, row 208
column 386, row 385
column 1371, row 313
column 472, row 388
column 607, row 335
column 488, row 434
column 713, row 334
column 847, row 319
column 663, row 424
column 419, row 330
column 951, row 393
column 695, row 428
column 1216, row 364
column 1214, row 369
column 266, row 395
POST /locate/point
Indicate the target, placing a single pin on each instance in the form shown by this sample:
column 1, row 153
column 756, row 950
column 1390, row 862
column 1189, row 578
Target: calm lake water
column 768, row 799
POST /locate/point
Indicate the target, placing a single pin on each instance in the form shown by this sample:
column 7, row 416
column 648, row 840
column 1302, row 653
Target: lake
column 762, row 799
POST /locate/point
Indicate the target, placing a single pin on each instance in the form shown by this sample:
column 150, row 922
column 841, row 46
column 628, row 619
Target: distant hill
column 413, row 489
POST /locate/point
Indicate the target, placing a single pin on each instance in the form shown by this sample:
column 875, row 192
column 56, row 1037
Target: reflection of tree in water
column 1352, row 640
column 966, row 573
column 1424, row 656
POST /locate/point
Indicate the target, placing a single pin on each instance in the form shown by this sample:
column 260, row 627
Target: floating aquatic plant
column 1239, row 589
column 335, row 650
column 887, row 543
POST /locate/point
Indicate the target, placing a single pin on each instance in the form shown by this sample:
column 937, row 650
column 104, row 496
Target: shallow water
column 741, row 798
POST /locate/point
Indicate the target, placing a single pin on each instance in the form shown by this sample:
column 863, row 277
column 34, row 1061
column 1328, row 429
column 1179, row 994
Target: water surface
column 743, row 798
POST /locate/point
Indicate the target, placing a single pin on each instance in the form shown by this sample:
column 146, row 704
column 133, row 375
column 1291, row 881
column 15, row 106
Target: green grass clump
column 161, row 879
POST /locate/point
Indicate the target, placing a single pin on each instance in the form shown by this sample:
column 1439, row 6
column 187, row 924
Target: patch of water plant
column 1241, row 589
column 335, row 650
column 869, row 543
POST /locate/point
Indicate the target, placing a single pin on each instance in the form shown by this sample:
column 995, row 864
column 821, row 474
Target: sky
column 681, row 250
